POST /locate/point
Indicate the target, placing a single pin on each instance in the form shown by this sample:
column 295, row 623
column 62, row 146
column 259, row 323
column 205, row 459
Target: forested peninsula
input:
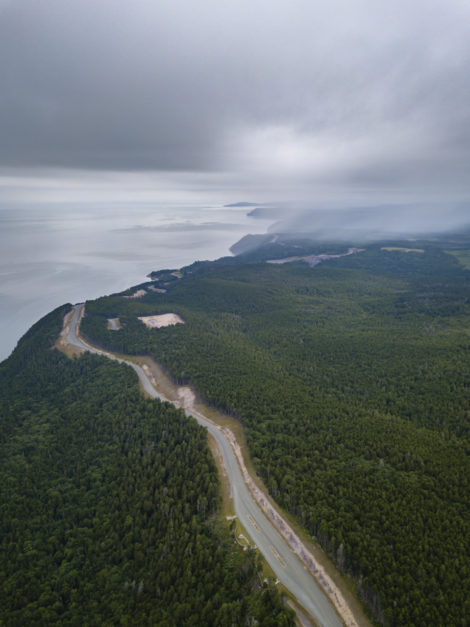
column 351, row 380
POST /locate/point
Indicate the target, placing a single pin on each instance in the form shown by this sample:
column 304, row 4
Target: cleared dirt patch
column 158, row 290
column 137, row 294
column 314, row 260
column 114, row 324
column 186, row 398
column 403, row 250
column 162, row 320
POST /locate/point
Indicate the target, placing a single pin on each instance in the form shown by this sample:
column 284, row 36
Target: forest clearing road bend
column 275, row 550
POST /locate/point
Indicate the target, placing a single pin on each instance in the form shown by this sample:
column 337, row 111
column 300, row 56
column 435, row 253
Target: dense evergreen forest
column 352, row 381
column 109, row 501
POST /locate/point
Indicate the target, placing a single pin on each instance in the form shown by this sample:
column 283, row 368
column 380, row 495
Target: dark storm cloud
column 281, row 95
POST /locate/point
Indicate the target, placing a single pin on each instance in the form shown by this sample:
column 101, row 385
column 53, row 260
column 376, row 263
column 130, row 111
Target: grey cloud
column 294, row 93
column 377, row 222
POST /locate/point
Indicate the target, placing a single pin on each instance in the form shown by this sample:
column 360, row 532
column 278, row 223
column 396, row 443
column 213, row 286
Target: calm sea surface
column 52, row 256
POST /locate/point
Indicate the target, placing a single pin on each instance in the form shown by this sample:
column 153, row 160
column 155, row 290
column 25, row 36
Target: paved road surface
column 288, row 569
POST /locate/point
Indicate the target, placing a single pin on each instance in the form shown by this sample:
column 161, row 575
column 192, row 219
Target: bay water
column 54, row 255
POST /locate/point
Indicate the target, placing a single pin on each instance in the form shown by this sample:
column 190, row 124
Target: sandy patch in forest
column 314, row 260
column 65, row 328
column 403, row 250
column 114, row 324
column 158, row 290
column 163, row 320
column 186, row 398
column 137, row 294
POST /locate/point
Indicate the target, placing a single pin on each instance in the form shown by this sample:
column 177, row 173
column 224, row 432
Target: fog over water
column 52, row 256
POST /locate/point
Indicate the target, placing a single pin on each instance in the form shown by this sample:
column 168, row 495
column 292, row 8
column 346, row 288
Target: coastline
column 47, row 258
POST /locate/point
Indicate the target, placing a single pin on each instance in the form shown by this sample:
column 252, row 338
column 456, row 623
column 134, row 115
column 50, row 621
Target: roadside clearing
column 162, row 320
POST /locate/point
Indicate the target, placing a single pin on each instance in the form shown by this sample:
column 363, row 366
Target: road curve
column 286, row 566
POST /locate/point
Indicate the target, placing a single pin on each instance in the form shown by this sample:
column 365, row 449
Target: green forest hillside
column 109, row 502
column 352, row 382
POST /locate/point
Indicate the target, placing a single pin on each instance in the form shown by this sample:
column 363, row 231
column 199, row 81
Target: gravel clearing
column 163, row 320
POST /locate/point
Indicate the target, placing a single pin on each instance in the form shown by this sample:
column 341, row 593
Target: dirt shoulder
column 62, row 343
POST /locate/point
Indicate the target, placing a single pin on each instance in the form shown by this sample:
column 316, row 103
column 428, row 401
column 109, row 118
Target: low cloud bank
column 375, row 223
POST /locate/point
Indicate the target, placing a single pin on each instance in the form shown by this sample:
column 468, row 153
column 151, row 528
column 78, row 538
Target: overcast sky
column 345, row 101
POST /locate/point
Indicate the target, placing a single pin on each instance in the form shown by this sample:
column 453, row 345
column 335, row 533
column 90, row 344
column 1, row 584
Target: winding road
column 287, row 567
